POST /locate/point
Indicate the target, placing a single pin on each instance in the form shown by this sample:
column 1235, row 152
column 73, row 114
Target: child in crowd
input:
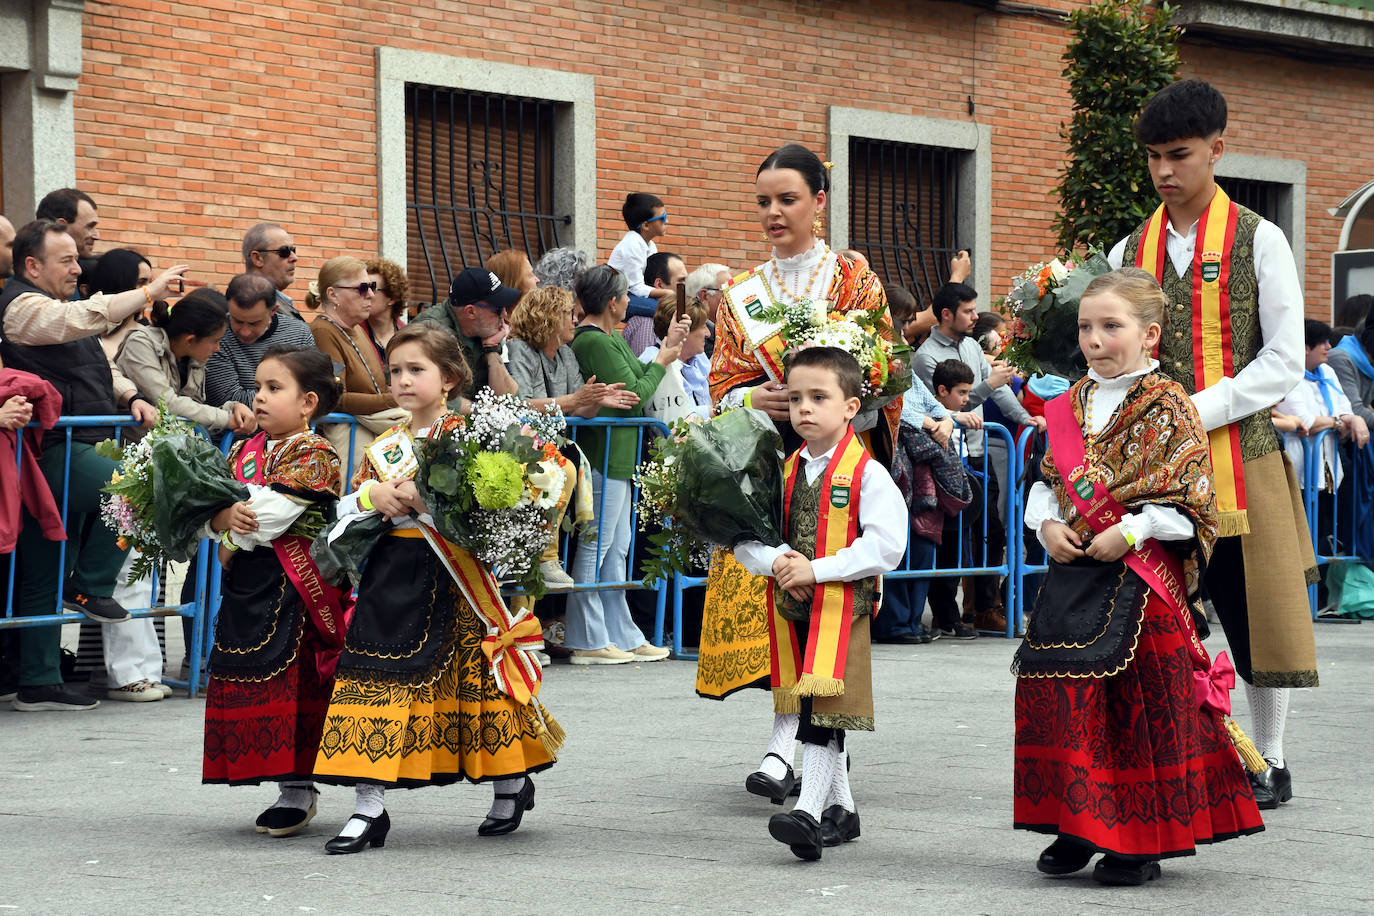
column 280, row 626
column 845, row 524
column 1116, row 752
column 646, row 219
column 953, row 380
column 416, row 702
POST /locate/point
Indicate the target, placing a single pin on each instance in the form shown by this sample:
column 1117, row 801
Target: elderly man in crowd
column 75, row 211
column 268, row 250
column 476, row 313
column 59, row 340
column 705, row 285
column 257, row 321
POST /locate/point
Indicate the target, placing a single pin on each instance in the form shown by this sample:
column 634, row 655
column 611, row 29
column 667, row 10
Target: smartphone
column 681, row 301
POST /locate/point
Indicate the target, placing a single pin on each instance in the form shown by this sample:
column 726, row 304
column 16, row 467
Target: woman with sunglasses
column 342, row 300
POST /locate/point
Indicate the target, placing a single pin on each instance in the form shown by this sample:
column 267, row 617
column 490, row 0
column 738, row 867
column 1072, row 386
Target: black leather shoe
column 838, row 825
column 775, row 790
column 1064, row 857
column 798, row 830
column 1125, row 872
column 1272, row 787
column 524, row 801
column 283, row 821
column 374, row 834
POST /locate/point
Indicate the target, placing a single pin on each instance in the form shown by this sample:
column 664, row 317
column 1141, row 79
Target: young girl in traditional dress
column 1120, row 743
column 280, row 627
column 416, row 701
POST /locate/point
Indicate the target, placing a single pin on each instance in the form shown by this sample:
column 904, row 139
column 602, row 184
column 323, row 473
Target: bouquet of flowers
column 711, row 483
column 1042, row 313
column 493, row 484
column 886, row 364
column 169, row 484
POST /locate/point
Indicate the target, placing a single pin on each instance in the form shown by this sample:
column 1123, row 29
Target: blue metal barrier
column 1341, row 502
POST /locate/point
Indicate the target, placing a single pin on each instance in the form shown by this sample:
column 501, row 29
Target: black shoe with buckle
column 97, row 608
column 838, row 825
column 374, row 835
column 1272, row 787
column 769, row 787
column 500, row 826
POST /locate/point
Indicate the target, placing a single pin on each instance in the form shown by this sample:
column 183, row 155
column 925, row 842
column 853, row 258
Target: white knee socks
column 369, row 801
column 504, row 808
column 818, row 774
column 1268, row 715
column 839, row 786
column 782, row 743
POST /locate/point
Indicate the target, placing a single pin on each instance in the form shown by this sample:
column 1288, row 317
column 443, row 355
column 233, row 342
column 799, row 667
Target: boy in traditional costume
column 846, row 524
column 1121, row 746
column 1235, row 343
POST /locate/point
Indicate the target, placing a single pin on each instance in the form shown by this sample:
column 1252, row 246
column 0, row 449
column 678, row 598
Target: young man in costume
column 1234, row 340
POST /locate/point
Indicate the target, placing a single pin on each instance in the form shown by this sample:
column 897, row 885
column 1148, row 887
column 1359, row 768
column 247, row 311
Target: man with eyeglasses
column 269, row 250
column 256, row 322
column 706, row 285
column 476, row 313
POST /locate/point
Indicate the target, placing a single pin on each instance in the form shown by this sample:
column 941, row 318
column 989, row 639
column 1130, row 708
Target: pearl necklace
column 810, row 283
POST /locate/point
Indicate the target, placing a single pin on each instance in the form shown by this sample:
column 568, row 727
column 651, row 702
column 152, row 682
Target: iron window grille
column 1264, row 197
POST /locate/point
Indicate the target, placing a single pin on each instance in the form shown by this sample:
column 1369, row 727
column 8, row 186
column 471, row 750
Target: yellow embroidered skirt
column 459, row 727
column 734, row 630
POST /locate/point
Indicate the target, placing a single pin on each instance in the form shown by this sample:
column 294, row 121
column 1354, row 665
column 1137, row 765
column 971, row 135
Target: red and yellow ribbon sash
column 1212, row 356
column 821, row 673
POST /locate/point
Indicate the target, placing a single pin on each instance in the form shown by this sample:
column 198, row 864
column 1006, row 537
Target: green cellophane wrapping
column 191, row 482
column 730, row 487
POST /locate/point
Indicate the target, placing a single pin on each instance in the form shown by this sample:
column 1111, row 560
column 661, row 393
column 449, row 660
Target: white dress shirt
column 629, row 257
column 1279, row 364
column 1305, row 402
column 1162, row 522
column 276, row 512
column 883, row 526
column 351, row 509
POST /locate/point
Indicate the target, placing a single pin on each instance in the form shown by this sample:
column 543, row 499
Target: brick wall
column 196, row 120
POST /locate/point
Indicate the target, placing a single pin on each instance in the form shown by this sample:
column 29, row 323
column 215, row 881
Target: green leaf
column 444, row 479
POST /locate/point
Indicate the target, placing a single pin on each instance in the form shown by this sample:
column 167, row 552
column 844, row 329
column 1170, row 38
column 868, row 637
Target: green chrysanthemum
column 496, row 480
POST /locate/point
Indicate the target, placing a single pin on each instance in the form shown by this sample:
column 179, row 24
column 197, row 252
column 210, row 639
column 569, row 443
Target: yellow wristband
column 1130, row 538
column 362, row 496
column 227, row 541
column 749, row 398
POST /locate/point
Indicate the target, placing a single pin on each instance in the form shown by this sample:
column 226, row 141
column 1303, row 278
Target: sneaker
column 544, row 660
column 8, row 693
column 651, row 653
column 554, row 633
column 101, row 610
column 165, row 689
column 554, row 575
column 52, row 699
column 137, row 692
column 959, row 631
column 991, row 620
column 607, row 656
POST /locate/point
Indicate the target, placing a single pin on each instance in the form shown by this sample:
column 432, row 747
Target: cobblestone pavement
column 103, row 812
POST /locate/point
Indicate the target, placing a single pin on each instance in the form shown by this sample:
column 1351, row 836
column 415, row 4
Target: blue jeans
column 904, row 600
column 595, row 620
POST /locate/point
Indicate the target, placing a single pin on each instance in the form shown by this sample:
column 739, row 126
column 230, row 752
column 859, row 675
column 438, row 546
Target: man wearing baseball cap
column 476, row 313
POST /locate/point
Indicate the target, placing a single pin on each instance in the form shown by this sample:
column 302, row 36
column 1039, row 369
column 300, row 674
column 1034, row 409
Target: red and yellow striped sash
column 821, row 672
column 1212, row 354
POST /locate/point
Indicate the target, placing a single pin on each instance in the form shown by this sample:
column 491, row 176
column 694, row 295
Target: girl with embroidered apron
column 792, row 184
column 438, row 680
column 280, row 626
column 1121, row 743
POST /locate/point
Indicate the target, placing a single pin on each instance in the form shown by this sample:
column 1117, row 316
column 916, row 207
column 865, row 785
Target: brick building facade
column 189, row 122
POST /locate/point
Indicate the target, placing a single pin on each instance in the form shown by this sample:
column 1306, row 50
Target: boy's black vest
column 78, row 369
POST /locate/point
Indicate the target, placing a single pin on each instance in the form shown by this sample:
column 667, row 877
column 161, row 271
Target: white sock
column 299, row 795
column 818, row 772
column 1268, row 715
column 839, row 786
column 369, row 800
column 504, row 808
column 783, row 743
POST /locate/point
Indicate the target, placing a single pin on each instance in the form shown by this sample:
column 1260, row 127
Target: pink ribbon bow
column 1213, row 686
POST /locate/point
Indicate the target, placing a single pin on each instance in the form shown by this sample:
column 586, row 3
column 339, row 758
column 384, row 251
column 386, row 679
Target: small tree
column 1120, row 55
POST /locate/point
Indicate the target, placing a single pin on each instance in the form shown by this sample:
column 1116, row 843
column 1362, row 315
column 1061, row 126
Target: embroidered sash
column 1157, row 566
column 821, row 673
column 748, row 296
column 1213, row 359
column 329, row 607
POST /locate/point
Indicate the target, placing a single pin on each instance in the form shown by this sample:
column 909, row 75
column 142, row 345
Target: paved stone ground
column 104, row 812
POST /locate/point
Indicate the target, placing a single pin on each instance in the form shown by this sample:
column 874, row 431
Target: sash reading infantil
column 1212, row 355
column 821, row 673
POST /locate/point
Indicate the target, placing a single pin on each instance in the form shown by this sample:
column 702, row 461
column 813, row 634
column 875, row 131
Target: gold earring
column 818, row 224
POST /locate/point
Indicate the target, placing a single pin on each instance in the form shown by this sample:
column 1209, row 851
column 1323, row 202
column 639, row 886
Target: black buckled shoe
column 374, row 834
column 799, row 831
column 524, row 801
column 838, row 825
column 1125, row 872
column 1064, row 857
column 282, row 821
column 775, row 790
column 1272, row 787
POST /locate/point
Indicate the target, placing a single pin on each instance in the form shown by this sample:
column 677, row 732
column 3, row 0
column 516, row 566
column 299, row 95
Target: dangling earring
column 818, row 224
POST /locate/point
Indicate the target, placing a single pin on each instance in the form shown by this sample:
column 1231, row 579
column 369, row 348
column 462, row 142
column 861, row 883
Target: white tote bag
column 670, row 400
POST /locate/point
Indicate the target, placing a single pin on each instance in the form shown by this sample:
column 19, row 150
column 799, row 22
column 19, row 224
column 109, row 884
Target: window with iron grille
column 480, row 174
column 1267, row 198
column 904, row 211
